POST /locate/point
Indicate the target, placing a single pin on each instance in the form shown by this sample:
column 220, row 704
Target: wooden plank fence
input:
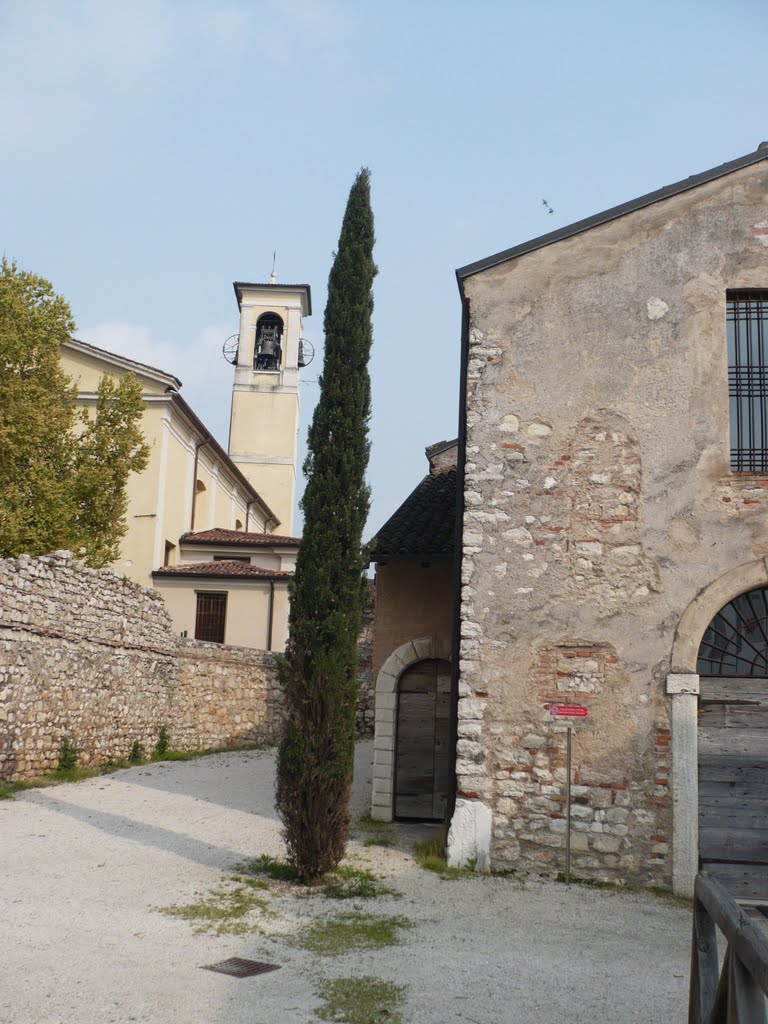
column 735, row 993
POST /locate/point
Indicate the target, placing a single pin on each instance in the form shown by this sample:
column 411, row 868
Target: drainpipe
column 271, row 614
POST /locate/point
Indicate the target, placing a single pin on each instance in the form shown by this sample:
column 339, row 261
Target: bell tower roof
column 267, row 287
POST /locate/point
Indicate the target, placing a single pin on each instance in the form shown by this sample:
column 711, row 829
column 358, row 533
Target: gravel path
column 86, row 865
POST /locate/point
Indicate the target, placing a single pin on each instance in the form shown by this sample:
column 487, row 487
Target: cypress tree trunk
column 319, row 671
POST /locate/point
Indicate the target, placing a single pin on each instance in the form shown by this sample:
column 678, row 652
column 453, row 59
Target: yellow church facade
column 211, row 529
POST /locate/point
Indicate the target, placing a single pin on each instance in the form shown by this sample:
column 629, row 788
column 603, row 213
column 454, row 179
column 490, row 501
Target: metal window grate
column 211, row 617
column 237, row 967
column 736, row 640
column 747, row 326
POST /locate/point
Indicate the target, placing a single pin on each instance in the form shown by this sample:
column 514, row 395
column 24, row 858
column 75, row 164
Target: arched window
column 733, row 745
column 268, row 350
column 736, row 640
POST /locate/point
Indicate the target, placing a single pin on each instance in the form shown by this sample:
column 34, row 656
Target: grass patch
column 362, row 1000
column 347, row 882
column 352, row 883
column 658, row 891
column 222, row 911
column 272, row 867
column 430, row 855
column 348, row 932
column 110, row 764
column 377, row 833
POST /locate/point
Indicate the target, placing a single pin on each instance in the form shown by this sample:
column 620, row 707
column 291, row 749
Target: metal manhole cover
column 237, row 967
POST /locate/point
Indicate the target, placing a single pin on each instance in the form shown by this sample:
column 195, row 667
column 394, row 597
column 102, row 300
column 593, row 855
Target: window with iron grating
column 211, row 617
column 747, row 323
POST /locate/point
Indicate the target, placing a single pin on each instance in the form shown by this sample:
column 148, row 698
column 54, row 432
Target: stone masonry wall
column 91, row 656
column 599, row 502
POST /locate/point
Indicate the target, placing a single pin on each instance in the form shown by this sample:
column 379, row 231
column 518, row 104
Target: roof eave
column 577, row 228
column 239, row 285
column 166, row 379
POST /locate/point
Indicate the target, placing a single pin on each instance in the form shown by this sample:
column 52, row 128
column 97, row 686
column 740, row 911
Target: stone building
column 413, row 553
column 614, row 493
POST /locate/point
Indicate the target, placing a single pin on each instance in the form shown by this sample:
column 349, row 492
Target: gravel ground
column 87, row 865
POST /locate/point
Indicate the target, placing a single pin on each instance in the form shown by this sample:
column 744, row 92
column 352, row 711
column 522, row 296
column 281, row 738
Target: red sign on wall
column 568, row 711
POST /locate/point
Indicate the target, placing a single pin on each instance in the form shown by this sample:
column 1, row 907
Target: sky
column 152, row 153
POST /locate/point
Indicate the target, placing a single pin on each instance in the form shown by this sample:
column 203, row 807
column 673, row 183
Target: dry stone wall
column 90, row 656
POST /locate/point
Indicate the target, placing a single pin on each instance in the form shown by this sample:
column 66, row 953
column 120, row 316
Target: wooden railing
column 735, row 993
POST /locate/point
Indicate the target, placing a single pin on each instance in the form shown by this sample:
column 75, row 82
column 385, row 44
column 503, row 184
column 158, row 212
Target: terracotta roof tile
column 238, row 538
column 223, row 570
column 424, row 524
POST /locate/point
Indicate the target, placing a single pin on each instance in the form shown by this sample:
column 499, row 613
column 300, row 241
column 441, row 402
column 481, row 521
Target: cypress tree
column 319, row 670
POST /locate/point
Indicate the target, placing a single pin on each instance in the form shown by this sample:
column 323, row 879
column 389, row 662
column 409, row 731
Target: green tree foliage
column 319, row 671
column 63, row 473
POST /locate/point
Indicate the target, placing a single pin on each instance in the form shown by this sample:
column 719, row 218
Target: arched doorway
column 733, row 745
column 422, row 760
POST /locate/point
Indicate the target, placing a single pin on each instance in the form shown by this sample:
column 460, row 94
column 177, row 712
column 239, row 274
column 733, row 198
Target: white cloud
column 205, row 374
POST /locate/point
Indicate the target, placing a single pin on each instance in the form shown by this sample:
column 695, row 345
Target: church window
column 747, row 324
column 268, row 352
column 211, row 617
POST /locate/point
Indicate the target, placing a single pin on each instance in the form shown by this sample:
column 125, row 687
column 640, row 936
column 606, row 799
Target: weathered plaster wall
column 411, row 601
column 91, row 656
column 599, row 503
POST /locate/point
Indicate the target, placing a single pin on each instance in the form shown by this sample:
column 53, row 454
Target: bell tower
column 264, row 423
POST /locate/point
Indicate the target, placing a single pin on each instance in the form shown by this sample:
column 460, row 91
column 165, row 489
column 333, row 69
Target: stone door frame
column 683, row 689
column 422, row 649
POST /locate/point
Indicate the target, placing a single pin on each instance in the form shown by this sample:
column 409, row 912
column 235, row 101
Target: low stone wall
column 90, row 656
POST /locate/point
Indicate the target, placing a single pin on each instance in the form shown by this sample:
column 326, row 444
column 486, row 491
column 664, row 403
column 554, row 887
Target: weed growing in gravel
column 377, row 833
column 362, row 1000
column 348, row 932
column 430, row 855
column 665, row 895
column 223, row 911
column 163, row 744
column 7, row 789
column 272, row 867
column 349, row 883
column 67, row 755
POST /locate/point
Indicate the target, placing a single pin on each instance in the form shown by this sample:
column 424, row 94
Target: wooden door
column 733, row 783
column 422, row 754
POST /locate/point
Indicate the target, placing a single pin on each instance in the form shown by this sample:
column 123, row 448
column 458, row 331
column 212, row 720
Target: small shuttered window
column 211, row 617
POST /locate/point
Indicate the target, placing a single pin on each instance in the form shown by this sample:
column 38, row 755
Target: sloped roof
column 123, row 362
column 423, row 525
column 172, row 384
column 761, row 153
column 238, row 538
column 440, row 446
column 222, row 571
